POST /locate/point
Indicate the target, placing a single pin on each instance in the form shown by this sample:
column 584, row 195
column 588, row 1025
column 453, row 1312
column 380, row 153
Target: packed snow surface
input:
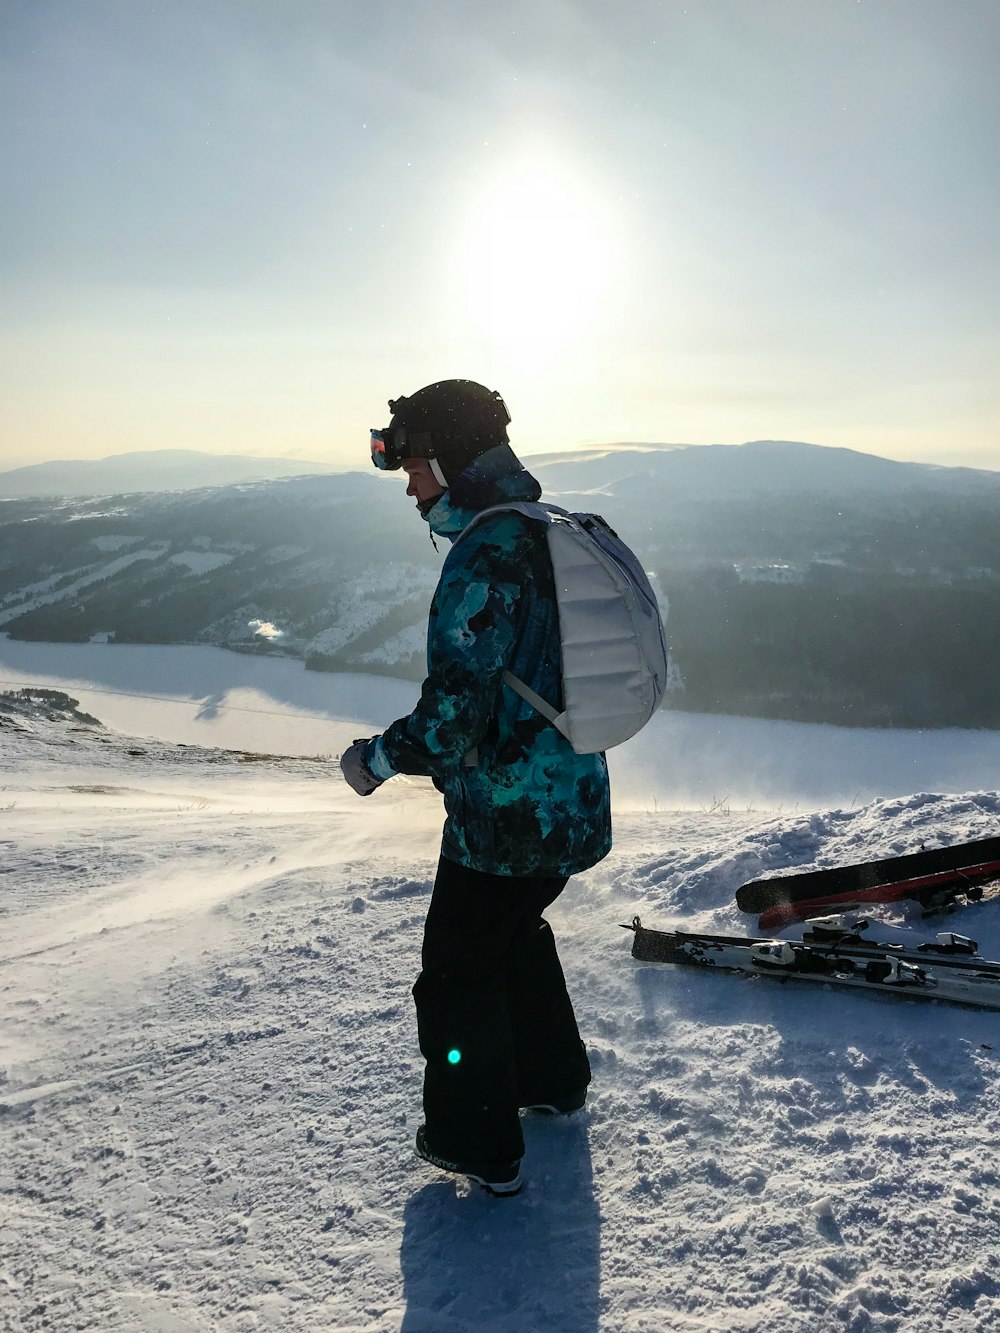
column 209, row 1080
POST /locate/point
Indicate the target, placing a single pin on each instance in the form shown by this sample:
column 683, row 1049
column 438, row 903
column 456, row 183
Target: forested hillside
column 803, row 582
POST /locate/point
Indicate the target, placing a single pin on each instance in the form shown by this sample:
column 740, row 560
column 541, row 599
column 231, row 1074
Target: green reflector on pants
column 454, row 1057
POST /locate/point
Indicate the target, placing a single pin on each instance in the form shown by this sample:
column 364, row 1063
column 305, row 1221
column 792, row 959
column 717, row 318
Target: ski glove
column 355, row 769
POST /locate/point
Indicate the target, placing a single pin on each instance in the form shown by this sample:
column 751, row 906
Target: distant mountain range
column 770, row 467
column 152, row 470
column 774, row 467
column 804, row 582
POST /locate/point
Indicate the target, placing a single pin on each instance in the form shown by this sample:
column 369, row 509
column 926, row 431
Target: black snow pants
column 495, row 1023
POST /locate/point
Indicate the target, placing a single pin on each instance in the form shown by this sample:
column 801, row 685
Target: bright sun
column 534, row 258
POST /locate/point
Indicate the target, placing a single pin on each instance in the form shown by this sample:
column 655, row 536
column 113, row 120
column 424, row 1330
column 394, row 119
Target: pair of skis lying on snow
column 834, row 950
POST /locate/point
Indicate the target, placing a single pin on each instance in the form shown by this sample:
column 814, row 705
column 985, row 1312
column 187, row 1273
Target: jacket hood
column 490, row 479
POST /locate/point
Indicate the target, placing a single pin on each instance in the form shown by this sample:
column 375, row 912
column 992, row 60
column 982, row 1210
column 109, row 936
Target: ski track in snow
column 209, row 1078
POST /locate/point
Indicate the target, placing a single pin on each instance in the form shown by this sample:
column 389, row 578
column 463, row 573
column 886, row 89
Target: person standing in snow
column 524, row 812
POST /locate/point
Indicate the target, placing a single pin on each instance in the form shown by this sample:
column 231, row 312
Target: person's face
column 423, row 485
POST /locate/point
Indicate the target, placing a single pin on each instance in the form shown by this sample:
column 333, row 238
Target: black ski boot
column 498, row 1178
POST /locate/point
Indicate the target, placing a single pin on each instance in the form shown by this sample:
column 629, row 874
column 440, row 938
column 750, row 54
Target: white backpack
column 614, row 651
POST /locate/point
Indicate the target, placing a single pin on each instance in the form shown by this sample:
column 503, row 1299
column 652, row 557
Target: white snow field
column 209, row 1078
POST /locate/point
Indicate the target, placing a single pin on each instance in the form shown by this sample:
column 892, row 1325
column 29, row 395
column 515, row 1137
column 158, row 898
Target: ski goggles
column 387, row 452
column 391, row 445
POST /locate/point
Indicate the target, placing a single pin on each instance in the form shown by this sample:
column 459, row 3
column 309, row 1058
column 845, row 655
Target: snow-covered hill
column 769, row 468
column 282, row 567
column 209, row 1081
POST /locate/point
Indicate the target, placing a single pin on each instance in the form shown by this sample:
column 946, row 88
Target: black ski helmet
column 452, row 421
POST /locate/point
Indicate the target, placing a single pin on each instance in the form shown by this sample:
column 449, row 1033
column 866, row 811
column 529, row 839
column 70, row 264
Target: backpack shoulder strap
column 527, row 508
column 545, row 513
column 530, row 696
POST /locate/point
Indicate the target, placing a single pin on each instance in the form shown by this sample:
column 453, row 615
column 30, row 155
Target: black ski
column 951, row 973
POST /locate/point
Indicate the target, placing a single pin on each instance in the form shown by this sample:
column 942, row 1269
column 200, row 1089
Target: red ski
column 936, row 879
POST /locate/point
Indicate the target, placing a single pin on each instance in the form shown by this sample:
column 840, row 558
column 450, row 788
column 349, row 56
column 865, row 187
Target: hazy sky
column 242, row 225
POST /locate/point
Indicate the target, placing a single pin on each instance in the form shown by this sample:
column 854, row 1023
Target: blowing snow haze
column 804, row 583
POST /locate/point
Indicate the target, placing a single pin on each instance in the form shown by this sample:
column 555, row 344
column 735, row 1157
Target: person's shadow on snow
column 470, row 1261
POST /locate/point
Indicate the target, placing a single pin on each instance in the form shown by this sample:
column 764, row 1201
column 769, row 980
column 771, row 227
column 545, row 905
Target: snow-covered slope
column 209, row 1081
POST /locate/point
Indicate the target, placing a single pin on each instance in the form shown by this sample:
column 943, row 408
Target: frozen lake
column 208, row 696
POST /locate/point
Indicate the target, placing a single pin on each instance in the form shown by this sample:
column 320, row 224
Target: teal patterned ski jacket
column 518, row 800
